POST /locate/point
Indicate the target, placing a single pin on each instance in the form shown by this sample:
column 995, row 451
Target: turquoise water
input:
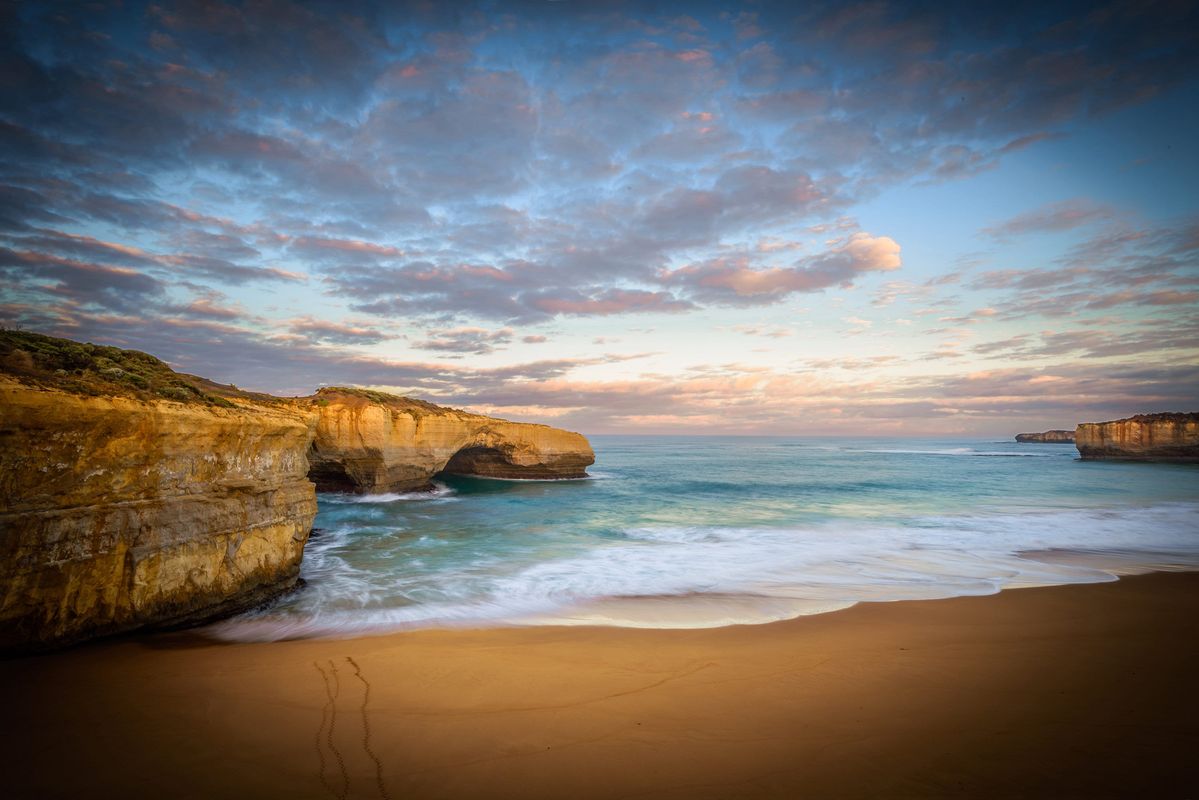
column 703, row 531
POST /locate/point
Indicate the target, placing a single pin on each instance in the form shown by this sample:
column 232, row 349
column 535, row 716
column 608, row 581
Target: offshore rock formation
column 373, row 442
column 1048, row 437
column 133, row 496
column 1145, row 437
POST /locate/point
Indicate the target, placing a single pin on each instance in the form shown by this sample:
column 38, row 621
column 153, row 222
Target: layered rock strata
column 134, row 496
column 372, row 442
column 1048, row 437
column 1145, row 437
column 117, row 513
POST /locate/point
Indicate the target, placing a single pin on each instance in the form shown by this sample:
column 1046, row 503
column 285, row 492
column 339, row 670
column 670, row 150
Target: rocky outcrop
column 1145, row 437
column 373, row 442
column 134, row 496
column 118, row 513
column 1048, row 437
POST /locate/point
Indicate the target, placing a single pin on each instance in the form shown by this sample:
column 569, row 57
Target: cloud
column 830, row 395
column 208, row 307
column 771, row 332
column 563, row 180
column 1055, row 217
column 478, row 341
column 732, row 399
column 188, row 266
column 320, row 330
column 694, row 137
column 346, row 171
column 736, row 281
column 1175, row 337
column 1120, row 267
column 85, row 283
column 612, row 301
column 318, row 247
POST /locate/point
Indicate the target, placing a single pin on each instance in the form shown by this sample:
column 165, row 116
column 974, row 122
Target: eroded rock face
column 1048, row 437
column 1170, row 437
column 134, row 496
column 117, row 513
column 368, row 442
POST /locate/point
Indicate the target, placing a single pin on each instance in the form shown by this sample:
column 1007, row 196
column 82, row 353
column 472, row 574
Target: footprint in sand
column 339, row 785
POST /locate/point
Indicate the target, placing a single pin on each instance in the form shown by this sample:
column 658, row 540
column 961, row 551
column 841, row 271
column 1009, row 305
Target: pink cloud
column 615, row 301
column 737, row 280
column 347, row 246
column 338, row 332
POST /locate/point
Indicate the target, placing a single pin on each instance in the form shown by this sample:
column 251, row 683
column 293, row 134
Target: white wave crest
column 680, row 576
column 439, row 492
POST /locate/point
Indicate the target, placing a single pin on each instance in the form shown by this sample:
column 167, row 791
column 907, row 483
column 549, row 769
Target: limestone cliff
column 373, row 442
column 1048, row 437
column 118, row 513
column 1169, row 436
column 133, row 496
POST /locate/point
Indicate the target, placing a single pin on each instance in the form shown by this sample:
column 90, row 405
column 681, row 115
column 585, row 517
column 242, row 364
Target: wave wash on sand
column 685, row 533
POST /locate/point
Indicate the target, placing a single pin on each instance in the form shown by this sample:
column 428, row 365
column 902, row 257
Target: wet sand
column 1077, row 691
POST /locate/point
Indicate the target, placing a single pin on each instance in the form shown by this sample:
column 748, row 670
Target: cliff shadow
column 478, row 460
column 329, row 474
column 511, row 464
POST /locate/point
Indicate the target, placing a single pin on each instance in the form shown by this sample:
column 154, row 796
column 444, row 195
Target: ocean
column 691, row 531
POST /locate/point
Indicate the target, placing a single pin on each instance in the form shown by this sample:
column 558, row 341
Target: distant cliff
column 1048, row 437
column 1169, row 436
column 134, row 496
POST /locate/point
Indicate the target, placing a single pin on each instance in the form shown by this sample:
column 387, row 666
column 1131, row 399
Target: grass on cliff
column 1168, row 416
column 96, row 370
column 409, row 404
column 103, row 371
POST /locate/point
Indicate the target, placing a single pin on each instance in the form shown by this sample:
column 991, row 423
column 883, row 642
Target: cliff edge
column 118, row 513
column 133, row 496
column 1145, row 437
column 1048, row 437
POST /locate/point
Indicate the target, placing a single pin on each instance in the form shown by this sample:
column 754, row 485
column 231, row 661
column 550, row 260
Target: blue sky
column 640, row 217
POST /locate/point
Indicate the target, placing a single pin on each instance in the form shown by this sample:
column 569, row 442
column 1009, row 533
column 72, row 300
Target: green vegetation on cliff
column 395, row 401
column 96, row 370
column 1165, row 416
column 103, row 371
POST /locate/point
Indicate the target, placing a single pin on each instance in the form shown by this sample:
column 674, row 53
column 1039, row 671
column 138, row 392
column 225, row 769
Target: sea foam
column 702, row 576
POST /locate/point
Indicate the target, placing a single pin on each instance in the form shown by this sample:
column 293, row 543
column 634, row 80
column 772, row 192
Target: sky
column 761, row 218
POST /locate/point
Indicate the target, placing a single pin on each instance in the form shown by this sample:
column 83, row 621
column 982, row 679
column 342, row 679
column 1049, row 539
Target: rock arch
column 371, row 442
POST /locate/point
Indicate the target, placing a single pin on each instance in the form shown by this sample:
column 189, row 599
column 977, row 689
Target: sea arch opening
column 483, row 461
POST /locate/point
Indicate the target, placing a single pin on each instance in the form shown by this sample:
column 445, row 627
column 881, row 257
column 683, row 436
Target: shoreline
column 915, row 577
column 1071, row 690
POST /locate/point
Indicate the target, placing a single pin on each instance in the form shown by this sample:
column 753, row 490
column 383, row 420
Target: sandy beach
column 1047, row 692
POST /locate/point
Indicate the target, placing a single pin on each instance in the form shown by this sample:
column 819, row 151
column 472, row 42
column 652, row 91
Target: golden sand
column 1078, row 691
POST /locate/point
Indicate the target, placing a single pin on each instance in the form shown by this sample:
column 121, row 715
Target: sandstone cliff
column 372, row 442
column 1169, row 436
column 117, row 513
column 1048, row 437
column 133, row 496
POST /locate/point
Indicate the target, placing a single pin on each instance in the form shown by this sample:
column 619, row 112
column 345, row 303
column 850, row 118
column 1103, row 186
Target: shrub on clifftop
column 97, row 370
